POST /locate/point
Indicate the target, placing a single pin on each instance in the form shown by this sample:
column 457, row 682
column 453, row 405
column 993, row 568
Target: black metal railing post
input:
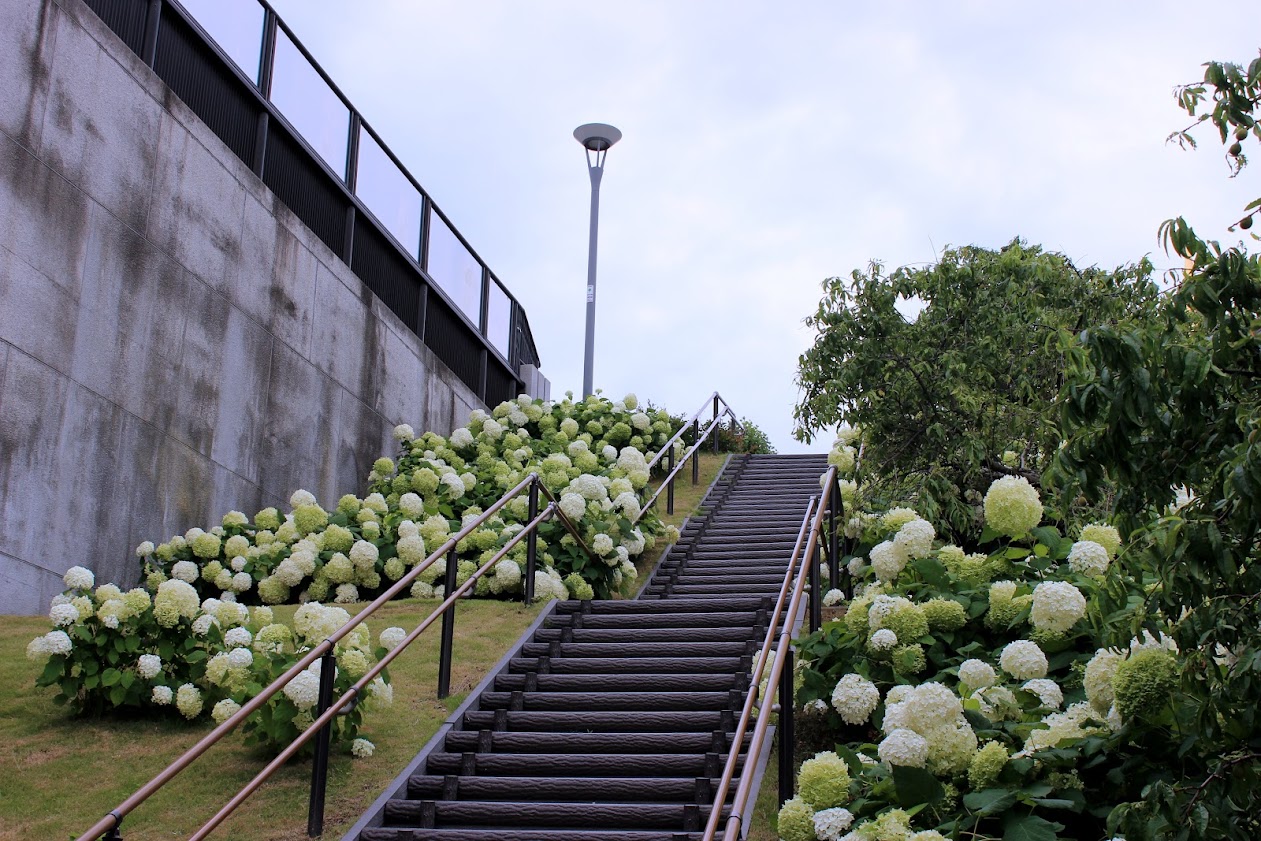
column 116, row 833
column 319, row 766
column 816, row 598
column 153, row 16
column 532, row 543
column 786, row 737
column 696, row 451
column 448, row 628
column 716, row 422
column 670, row 484
column 837, row 522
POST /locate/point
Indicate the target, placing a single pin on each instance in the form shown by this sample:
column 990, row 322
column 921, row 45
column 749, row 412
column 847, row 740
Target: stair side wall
column 174, row 343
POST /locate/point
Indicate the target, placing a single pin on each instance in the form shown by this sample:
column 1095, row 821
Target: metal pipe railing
column 108, row 825
column 692, row 453
column 780, row 621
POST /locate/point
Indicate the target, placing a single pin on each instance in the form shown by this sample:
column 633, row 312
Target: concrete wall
column 174, row 343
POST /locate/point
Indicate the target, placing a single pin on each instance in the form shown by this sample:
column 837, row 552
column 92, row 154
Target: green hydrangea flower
column 337, row 539
column 796, row 821
column 309, row 518
column 909, row 659
column 578, row 588
column 268, row 518
column 907, row 621
column 824, row 780
column 384, row 466
column 207, row 545
column 1144, row 682
column 944, row 615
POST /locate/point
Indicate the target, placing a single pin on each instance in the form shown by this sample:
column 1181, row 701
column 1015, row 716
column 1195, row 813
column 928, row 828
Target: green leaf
column 916, row 786
column 110, row 677
column 991, row 801
column 1017, row 827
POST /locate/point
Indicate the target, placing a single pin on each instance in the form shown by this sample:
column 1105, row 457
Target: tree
column 1169, row 406
column 941, row 397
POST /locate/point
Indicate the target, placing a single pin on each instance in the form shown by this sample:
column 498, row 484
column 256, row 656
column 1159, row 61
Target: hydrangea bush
column 1003, row 693
column 592, row 454
column 173, row 653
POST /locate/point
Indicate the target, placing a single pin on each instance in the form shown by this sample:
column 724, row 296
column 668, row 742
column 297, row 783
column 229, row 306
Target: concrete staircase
column 612, row 720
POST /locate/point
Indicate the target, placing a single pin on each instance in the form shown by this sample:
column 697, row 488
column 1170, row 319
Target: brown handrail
column 114, row 817
column 708, row 401
column 668, row 482
column 349, row 695
column 797, row 573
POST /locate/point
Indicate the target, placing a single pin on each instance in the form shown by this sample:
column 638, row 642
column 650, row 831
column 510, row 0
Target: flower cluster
column 593, row 454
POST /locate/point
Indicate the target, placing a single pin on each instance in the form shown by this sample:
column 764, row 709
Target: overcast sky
column 770, row 145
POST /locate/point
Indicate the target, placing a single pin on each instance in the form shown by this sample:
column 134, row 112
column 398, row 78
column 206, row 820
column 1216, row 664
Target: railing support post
column 816, row 598
column 319, row 766
column 670, row 484
column 532, row 543
column 116, row 833
column 786, row 736
column 696, row 451
column 834, row 547
column 448, row 628
column 716, row 422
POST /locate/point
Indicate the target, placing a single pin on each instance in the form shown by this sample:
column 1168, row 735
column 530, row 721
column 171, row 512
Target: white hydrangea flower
column 1047, row 690
column 830, row 823
column 391, row 638
column 1147, row 641
column 916, row 538
column 888, row 560
column 240, row 658
column 162, row 695
column 602, row 544
column 346, row 594
column 237, row 637
column 303, row 689
column 1057, row 606
column 148, row 666
column 1012, row 506
column 855, row 698
column 62, row 615
column 301, row 497
column 1023, row 660
column 411, row 505
column 242, row 582
column 833, row 597
column 1088, row 558
column 145, row 549
column 977, row 674
column 573, row 505
column 237, row 563
column 361, row 748
column 1073, row 723
column 201, row 625
column 364, row 554
column 1098, row 679
column 404, row 432
column 188, row 701
column 883, row 640
column 856, row 566
column 904, row 747
column 224, row 710
column 79, row 578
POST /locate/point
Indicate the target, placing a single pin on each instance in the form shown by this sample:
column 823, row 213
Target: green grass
column 60, row 773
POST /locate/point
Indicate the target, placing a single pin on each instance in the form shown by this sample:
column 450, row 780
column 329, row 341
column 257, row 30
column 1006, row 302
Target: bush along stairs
column 611, row 720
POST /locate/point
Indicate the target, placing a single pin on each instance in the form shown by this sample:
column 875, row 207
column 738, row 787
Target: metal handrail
column 107, row 826
column 667, row 451
column 797, row 573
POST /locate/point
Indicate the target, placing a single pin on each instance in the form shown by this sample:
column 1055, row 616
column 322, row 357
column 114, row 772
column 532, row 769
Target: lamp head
column 597, row 137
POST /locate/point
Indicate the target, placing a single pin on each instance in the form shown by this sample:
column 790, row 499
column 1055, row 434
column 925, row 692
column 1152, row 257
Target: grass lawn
column 60, row 774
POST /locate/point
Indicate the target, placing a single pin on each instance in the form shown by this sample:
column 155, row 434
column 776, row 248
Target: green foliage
column 942, row 397
column 1168, row 410
column 744, row 437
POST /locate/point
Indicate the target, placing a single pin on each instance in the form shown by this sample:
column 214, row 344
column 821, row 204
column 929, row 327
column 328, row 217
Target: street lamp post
column 597, row 138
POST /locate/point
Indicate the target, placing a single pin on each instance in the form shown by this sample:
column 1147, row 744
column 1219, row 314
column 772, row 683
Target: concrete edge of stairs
column 374, row 815
column 665, row 550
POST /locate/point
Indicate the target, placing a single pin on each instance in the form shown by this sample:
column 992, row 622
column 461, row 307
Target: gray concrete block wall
column 174, row 343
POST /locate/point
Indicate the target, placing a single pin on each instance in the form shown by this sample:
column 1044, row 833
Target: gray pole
column 595, row 171
column 597, row 138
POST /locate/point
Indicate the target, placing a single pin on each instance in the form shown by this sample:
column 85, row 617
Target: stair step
column 579, row 721
column 628, row 701
column 633, row 649
column 570, row 765
column 574, row 789
column 606, row 665
column 738, row 633
column 483, row 834
column 624, row 682
column 707, row 619
column 462, row 741
column 544, row 814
